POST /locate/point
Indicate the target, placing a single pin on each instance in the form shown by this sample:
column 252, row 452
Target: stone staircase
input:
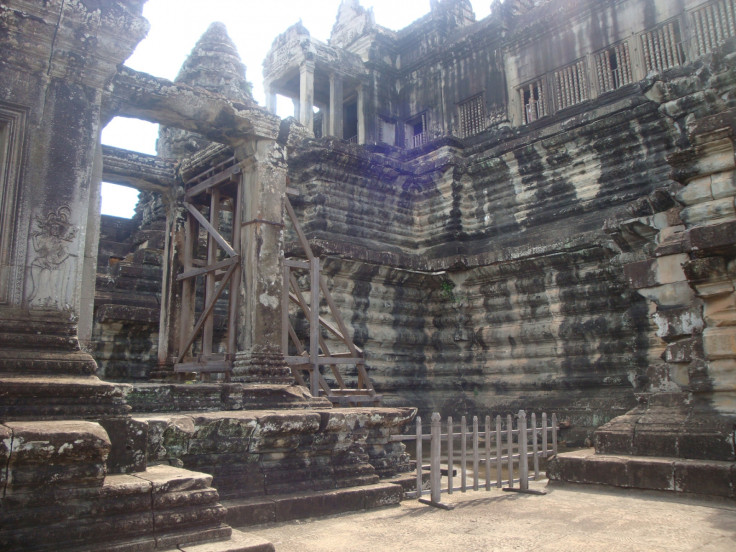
column 173, row 480
column 665, row 444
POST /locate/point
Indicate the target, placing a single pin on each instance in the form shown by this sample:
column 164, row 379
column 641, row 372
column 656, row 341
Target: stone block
column 256, row 511
column 382, row 494
column 238, row 542
column 605, row 470
column 720, row 310
column 705, row 269
column 704, row 477
column 669, row 296
column 713, row 236
column 709, row 212
column 720, row 343
column 129, row 439
column 684, row 350
column 696, row 191
column 678, row 322
column 723, row 185
column 651, row 473
column 56, row 453
column 641, row 274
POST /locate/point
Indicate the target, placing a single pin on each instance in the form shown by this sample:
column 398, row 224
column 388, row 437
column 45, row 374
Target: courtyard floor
column 568, row 518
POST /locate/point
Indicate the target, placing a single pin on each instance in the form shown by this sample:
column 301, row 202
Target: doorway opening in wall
column 118, row 201
column 350, row 121
column 133, row 135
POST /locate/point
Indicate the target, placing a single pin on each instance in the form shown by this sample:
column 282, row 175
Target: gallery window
column 472, row 116
column 533, row 101
column 613, row 68
column 571, row 85
column 662, row 47
column 713, row 24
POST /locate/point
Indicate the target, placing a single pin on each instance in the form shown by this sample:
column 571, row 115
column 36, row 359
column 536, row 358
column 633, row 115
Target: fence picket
column 488, row 453
column 544, row 434
column 510, row 444
column 499, row 453
column 523, row 451
column 463, row 454
column 554, row 434
column 450, row 454
column 535, row 446
column 475, row 453
column 419, row 456
column 435, row 450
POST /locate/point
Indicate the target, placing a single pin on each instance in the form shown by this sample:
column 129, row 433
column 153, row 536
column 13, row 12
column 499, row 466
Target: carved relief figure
column 51, row 269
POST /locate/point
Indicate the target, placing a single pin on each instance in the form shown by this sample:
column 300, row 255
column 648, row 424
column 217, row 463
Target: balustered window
column 713, row 24
column 613, row 68
column 533, row 101
column 472, row 116
column 571, row 85
column 416, row 131
column 662, row 47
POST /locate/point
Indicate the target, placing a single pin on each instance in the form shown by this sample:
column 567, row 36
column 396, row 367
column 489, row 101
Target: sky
column 176, row 25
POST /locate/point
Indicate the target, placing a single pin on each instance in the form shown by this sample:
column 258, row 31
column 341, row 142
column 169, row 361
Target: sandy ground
column 568, row 518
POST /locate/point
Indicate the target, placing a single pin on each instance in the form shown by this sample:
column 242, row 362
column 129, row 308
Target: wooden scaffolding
column 210, row 282
column 210, row 266
column 310, row 358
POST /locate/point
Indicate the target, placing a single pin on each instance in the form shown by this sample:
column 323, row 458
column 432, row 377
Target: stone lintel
column 158, row 100
column 137, row 170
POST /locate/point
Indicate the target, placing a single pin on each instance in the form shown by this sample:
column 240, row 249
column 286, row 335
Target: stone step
column 238, row 542
column 700, row 477
column 163, row 507
column 277, row 508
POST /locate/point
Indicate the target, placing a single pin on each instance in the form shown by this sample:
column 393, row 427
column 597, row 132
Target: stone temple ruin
column 534, row 210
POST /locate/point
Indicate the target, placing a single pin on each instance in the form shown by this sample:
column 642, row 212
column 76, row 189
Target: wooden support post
column 188, row 288
column 419, row 456
column 488, row 453
column 463, row 454
column 232, row 326
column 435, row 448
column 535, row 445
column 450, row 454
column 285, row 324
column 499, row 453
column 475, row 453
column 314, row 325
column 544, row 434
column 209, row 287
column 510, row 444
column 523, row 459
column 554, row 434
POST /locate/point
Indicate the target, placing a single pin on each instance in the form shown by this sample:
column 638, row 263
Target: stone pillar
column 361, row 114
column 306, row 94
column 168, row 335
column 297, row 109
column 336, row 106
column 270, row 98
column 259, row 358
column 91, row 244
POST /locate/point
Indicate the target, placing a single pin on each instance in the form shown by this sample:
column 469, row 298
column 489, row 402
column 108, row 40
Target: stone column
column 297, row 109
column 336, row 106
column 91, row 244
column 361, row 114
column 259, row 358
column 168, row 335
column 306, row 94
column 270, row 98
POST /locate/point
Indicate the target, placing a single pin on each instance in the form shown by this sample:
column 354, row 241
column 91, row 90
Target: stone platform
column 678, row 475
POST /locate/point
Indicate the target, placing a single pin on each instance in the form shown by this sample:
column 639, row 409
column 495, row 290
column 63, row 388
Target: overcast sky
column 176, row 25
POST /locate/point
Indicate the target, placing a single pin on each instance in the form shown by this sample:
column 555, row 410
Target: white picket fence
column 496, row 446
